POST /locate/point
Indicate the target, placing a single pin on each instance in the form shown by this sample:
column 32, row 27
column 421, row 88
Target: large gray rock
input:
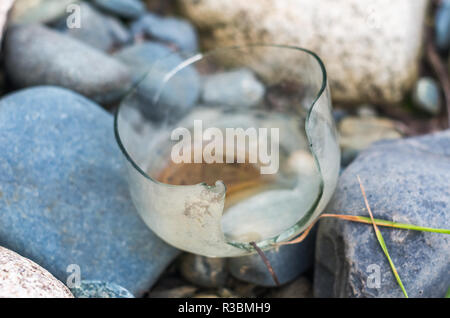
column 406, row 181
column 22, row 278
column 63, row 195
column 371, row 51
column 36, row 55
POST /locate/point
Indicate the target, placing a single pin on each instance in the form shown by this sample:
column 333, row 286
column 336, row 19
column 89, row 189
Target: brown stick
column 440, row 69
column 266, row 262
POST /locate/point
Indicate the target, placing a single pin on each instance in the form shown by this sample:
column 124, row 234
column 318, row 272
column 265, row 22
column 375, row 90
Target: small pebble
column 426, row 95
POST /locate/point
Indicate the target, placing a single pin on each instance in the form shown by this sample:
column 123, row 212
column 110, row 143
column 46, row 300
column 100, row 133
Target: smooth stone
column 99, row 289
column 288, row 262
column 150, row 62
column 167, row 29
column 299, row 288
column 63, row 192
column 203, row 271
column 406, row 181
column 426, row 95
column 129, row 9
column 22, row 278
column 442, row 25
column 358, row 133
column 361, row 66
column 39, row 11
column 36, row 55
column 98, row 30
column 233, row 88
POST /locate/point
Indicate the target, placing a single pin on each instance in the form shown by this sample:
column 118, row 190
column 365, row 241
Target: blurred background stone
column 37, row 55
column 5, row 6
column 442, row 25
column 362, row 67
column 97, row 30
column 426, row 95
column 167, row 29
column 129, row 9
column 358, row 133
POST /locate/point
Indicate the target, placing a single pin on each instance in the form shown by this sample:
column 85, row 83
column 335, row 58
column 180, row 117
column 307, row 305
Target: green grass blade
column 380, row 222
column 381, row 240
column 408, row 226
column 447, row 294
column 391, row 263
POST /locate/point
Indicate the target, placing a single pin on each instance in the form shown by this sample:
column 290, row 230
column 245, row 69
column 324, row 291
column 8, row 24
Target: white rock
column 371, row 48
column 5, row 5
column 22, row 278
